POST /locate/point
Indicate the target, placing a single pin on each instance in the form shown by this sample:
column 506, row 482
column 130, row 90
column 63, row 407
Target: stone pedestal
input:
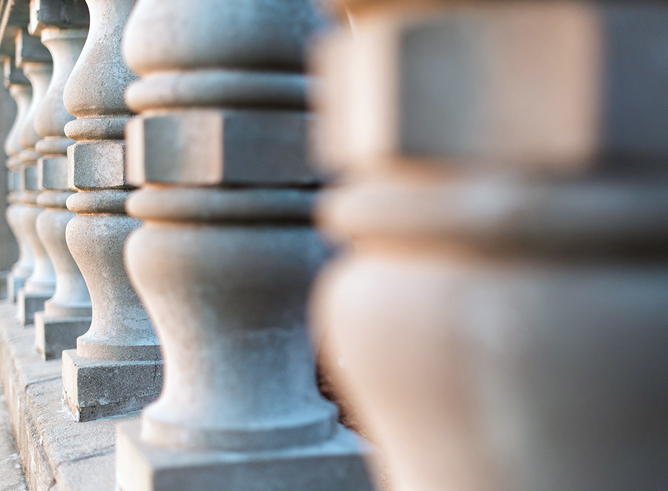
column 67, row 314
column 331, row 465
column 35, row 60
column 500, row 307
column 120, row 334
column 226, row 253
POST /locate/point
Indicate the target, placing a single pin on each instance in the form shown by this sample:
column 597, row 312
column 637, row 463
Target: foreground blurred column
column 21, row 91
column 35, row 61
column 67, row 315
column 116, row 367
column 502, row 307
column 226, row 255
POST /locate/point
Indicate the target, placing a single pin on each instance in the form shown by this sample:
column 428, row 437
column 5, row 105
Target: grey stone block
column 96, row 388
column 55, row 334
column 14, row 284
column 334, row 465
column 29, row 304
column 224, row 142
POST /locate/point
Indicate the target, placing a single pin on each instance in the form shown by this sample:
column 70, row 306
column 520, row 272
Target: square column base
column 96, row 388
column 4, row 284
column 53, row 335
column 335, row 465
column 14, row 284
column 29, row 304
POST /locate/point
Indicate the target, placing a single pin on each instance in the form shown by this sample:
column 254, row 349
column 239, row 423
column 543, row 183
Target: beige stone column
column 117, row 365
column 226, row 255
column 21, row 91
column 501, row 307
column 35, row 61
column 67, row 315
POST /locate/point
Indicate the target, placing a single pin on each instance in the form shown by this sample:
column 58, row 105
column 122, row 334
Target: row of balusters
column 496, row 310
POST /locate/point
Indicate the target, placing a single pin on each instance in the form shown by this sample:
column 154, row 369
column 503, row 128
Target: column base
column 4, row 284
column 29, row 304
column 95, row 388
column 53, row 335
column 335, row 465
column 14, row 284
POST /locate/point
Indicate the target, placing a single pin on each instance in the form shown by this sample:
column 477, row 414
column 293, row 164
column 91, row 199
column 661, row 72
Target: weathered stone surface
column 226, row 254
column 28, row 304
column 331, row 465
column 56, row 451
column 53, row 335
column 90, row 396
column 11, row 473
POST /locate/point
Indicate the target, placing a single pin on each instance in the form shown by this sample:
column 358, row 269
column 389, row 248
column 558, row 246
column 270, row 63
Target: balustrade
column 501, row 307
column 226, row 253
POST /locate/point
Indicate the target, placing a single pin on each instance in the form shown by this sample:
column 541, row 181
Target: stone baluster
column 35, row 61
column 501, row 307
column 9, row 251
column 225, row 257
column 21, row 91
column 67, row 315
column 117, row 365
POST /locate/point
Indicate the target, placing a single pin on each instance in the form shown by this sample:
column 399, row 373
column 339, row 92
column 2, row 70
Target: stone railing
column 496, row 314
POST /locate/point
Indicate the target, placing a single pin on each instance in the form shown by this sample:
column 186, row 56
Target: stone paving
column 11, row 474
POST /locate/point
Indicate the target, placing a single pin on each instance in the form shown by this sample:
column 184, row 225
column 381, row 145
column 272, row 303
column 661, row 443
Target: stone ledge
column 57, row 453
column 11, row 475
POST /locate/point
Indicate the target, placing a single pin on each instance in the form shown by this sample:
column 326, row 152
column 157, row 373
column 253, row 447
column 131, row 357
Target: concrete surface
column 11, row 474
column 57, row 452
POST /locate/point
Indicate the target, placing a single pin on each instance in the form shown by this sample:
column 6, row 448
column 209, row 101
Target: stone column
column 8, row 244
column 117, row 365
column 67, row 315
column 226, row 255
column 21, row 91
column 35, row 61
column 501, row 307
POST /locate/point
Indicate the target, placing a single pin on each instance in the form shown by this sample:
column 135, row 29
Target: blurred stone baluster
column 21, row 91
column 226, row 255
column 9, row 249
column 35, row 61
column 117, row 366
column 67, row 315
column 501, row 309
